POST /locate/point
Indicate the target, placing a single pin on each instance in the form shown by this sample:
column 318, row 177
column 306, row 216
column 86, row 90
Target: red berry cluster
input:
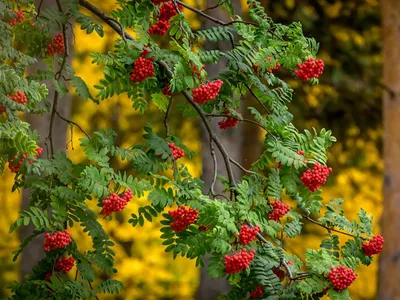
column 279, row 210
column 374, row 246
column 228, row 122
column 312, row 68
column 65, row 264
column 142, row 68
column 16, row 166
column 312, row 179
column 167, row 11
column 17, row 19
column 341, row 277
column 273, row 68
column 247, row 234
column 58, row 240
column 161, row 27
column 2, row 109
column 167, row 90
column 280, row 272
column 183, row 217
column 18, row 97
column 258, row 292
column 56, row 46
column 206, row 92
column 176, row 151
column 238, row 262
column 116, row 203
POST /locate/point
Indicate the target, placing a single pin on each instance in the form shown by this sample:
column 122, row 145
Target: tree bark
column 33, row 252
column 389, row 272
column 231, row 139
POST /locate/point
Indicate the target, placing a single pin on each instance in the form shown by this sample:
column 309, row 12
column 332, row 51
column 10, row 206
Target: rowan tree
column 243, row 226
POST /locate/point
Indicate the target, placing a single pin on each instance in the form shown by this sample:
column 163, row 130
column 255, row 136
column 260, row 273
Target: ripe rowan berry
column 116, row 203
column 18, row 97
column 279, row 210
column 161, row 27
column 341, row 277
column 206, row 92
column 65, row 264
column 258, row 292
column 238, row 262
column 374, row 246
column 247, row 234
column 312, row 179
column 312, row 68
column 168, row 10
column 15, row 165
column 17, row 19
column 56, row 46
column 142, row 67
column 167, row 90
column 176, row 151
column 183, row 217
column 58, row 240
column 228, row 122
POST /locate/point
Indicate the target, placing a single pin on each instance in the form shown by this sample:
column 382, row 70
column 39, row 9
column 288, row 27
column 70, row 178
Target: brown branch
column 213, row 7
column 73, row 123
column 166, row 118
column 214, row 157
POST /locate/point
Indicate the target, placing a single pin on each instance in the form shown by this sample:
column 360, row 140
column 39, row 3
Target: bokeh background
column 348, row 101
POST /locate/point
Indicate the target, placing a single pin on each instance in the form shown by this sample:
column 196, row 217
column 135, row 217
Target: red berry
column 16, row 166
column 116, row 203
column 17, row 19
column 341, row 277
column 58, row 240
column 157, row 2
column 142, row 68
column 273, row 68
column 374, row 246
column 18, row 97
column 65, row 264
column 48, row 276
column 258, row 292
column 228, row 122
column 247, row 234
column 167, row 90
column 195, row 71
column 206, row 92
column 312, row 179
column 161, row 27
column 176, row 151
column 168, row 10
column 312, row 68
column 238, row 262
column 279, row 210
column 183, row 217
column 56, row 46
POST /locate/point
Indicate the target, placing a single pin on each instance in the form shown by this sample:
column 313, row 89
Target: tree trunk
column 389, row 272
column 33, row 252
column 231, row 139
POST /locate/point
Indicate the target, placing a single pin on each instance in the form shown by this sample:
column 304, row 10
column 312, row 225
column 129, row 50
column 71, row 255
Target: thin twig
column 214, row 157
column 90, row 284
column 258, row 100
column 166, row 118
column 73, row 123
column 329, row 228
column 215, row 20
column 242, row 168
column 213, row 7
